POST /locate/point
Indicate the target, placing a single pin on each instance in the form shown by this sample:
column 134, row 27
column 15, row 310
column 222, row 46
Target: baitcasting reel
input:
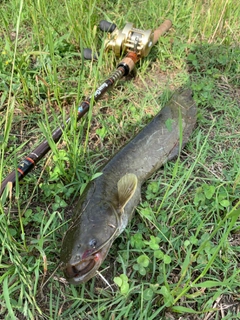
column 129, row 39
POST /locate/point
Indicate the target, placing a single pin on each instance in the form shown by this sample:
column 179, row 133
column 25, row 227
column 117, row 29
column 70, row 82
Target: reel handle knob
column 89, row 55
column 106, row 26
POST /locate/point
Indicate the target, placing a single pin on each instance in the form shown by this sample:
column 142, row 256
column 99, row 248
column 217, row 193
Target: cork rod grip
column 164, row 27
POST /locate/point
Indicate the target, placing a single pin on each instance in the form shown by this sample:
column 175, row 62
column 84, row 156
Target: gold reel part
column 130, row 39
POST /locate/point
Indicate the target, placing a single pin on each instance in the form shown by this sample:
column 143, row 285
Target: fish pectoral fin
column 127, row 186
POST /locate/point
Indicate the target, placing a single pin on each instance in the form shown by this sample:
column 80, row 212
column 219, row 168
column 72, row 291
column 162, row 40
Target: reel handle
column 89, row 55
column 164, row 27
column 106, row 26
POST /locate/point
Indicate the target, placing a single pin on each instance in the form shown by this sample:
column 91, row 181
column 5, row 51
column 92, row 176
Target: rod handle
column 164, row 27
column 106, row 26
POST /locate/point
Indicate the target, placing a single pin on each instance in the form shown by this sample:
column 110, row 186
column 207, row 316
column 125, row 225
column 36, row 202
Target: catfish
column 108, row 202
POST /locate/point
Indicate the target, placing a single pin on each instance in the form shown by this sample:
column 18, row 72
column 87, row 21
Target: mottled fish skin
column 102, row 212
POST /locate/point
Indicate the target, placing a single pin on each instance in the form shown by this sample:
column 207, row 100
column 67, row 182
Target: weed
column 122, row 282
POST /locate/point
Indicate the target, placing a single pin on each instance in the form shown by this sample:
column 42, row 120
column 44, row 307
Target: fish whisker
column 112, row 226
column 105, row 280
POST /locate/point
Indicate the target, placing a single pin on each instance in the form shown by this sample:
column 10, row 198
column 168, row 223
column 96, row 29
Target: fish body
column 109, row 201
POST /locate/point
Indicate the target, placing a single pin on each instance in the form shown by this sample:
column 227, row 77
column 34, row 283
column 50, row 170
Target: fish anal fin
column 127, row 186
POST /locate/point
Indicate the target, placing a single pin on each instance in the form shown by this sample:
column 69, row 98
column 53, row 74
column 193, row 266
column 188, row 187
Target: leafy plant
column 210, row 195
column 122, row 283
column 142, row 264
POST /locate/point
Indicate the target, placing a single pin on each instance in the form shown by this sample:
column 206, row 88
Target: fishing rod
column 132, row 42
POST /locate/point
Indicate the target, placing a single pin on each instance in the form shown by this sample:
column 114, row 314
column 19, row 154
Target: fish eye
column 93, row 243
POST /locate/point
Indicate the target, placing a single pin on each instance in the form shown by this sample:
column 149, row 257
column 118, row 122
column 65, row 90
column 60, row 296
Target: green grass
column 179, row 257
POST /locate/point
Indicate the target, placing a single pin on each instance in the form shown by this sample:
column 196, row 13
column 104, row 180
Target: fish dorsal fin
column 126, row 189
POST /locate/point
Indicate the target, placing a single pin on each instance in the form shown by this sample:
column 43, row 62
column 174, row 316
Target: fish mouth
column 80, row 270
column 83, row 270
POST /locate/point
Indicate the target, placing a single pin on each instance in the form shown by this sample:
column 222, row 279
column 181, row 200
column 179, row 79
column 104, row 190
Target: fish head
column 88, row 240
column 99, row 220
